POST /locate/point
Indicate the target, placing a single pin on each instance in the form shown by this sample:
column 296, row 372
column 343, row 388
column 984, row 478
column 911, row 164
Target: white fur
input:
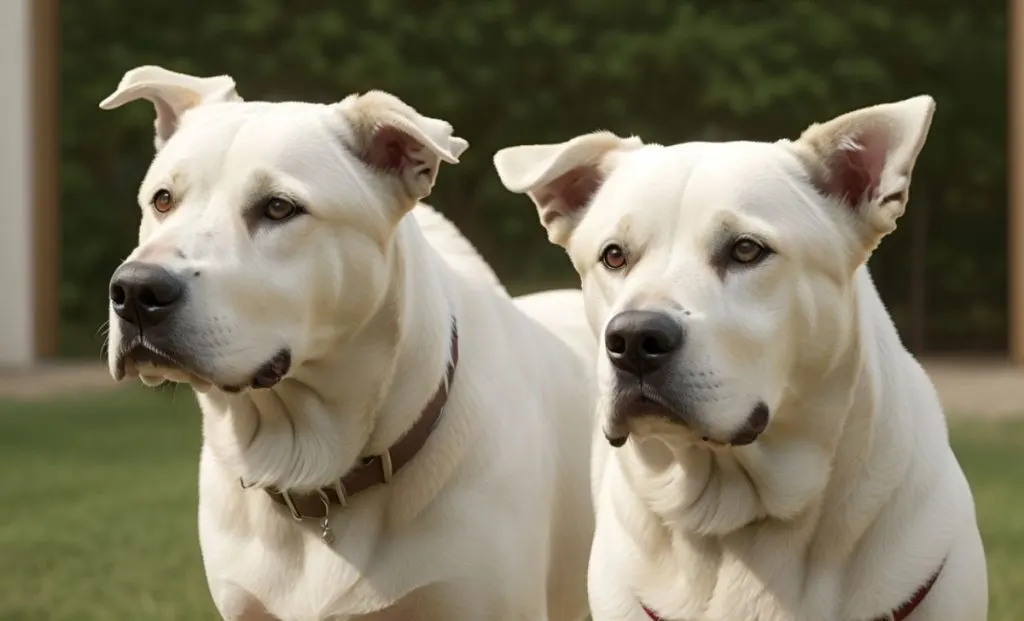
column 492, row 519
column 852, row 497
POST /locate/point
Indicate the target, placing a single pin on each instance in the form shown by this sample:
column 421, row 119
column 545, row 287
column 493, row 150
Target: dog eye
column 613, row 257
column 162, row 201
column 279, row 209
column 747, row 251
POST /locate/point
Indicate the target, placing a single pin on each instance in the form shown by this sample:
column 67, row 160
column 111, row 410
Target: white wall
column 17, row 344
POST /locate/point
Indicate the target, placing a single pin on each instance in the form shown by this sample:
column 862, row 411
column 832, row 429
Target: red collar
column 899, row 614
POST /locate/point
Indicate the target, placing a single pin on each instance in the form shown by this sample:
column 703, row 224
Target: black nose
column 641, row 341
column 144, row 294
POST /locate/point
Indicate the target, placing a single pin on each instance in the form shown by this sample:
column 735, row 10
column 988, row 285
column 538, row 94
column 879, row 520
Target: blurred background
column 510, row 71
column 98, row 485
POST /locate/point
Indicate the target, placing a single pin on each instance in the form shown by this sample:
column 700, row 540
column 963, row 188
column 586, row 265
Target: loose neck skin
column 312, row 427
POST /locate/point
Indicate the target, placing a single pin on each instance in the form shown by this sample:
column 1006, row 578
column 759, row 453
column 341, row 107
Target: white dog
column 386, row 436
column 782, row 456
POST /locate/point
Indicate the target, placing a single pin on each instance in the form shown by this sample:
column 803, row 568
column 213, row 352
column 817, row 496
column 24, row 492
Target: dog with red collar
column 776, row 453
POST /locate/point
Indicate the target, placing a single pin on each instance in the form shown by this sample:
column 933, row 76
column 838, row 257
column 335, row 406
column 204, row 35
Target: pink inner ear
column 390, row 149
column 856, row 167
column 570, row 192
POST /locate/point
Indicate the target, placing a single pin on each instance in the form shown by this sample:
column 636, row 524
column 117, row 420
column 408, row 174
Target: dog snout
column 145, row 294
column 642, row 341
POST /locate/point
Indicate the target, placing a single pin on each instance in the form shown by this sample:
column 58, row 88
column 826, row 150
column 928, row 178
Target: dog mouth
column 634, row 401
column 642, row 400
column 154, row 366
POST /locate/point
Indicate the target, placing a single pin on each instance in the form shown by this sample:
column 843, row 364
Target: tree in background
column 508, row 71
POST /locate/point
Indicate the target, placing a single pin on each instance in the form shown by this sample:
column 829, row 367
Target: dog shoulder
column 453, row 246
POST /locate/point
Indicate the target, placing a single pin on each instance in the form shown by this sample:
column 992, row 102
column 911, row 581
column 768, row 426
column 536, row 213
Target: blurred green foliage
column 512, row 71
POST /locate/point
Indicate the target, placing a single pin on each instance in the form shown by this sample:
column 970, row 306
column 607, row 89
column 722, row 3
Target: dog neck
column 312, row 427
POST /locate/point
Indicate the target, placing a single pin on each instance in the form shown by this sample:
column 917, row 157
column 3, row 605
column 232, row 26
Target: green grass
column 98, row 503
column 98, row 517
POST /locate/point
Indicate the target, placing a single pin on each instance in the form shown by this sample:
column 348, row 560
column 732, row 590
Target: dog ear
column 171, row 93
column 561, row 179
column 864, row 160
column 392, row 137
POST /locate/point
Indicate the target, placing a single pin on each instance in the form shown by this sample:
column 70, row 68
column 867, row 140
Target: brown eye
column 613, row 257
column 163, row 201
column 278, row 209
column 747, row 251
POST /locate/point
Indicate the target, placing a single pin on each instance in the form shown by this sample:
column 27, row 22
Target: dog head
column 716, row 274
column 266, row 228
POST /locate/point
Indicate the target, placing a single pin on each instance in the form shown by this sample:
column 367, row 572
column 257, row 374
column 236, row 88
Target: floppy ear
column 391, row 137
column 864, row 159
column 561, row 178
column 171, row 93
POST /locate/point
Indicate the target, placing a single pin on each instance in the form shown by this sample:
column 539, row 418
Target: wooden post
column 45, row 114
column 29, row 234
column 1015, row 172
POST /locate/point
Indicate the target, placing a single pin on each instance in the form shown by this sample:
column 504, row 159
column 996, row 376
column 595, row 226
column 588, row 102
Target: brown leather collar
column 899, row 614
column 375, row 469
column 911, row 604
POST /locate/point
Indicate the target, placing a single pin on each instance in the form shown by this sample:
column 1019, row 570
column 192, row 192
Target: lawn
column 99, row 497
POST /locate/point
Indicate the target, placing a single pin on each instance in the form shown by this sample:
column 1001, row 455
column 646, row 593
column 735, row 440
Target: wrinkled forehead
column 692, row 190
column 222, row 141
